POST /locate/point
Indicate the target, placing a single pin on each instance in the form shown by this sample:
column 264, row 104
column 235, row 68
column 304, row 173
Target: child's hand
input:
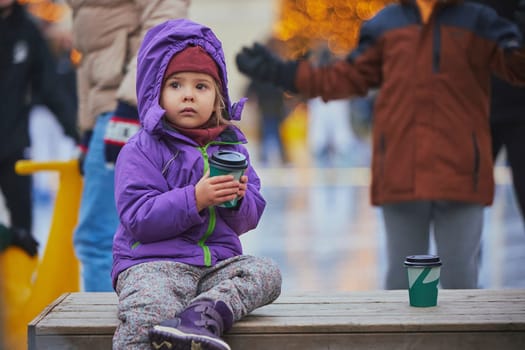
column 243, row 184
column 216, row 190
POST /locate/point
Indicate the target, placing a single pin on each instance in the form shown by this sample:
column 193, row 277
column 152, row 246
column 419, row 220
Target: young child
column 179, row 269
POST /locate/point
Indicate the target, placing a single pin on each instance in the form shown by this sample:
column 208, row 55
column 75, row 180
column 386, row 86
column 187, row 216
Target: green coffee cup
column 423, row 279
column 228, row 162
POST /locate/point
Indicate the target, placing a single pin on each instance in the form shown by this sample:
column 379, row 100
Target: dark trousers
column 16, row 190
column 512, row 137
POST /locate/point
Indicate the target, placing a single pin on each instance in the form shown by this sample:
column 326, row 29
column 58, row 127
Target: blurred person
column 272, row 111
column 272, row 108
column 107, row 34
column 432, row 166
column 330, row 137
column 179, row 269
column 507, row 114
column 27, row 75
column 362, row 114
column 329, row 134
column 47, row 139
column 60, row 40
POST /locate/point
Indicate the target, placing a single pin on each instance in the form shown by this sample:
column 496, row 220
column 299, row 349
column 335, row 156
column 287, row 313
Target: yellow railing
column 30, row 284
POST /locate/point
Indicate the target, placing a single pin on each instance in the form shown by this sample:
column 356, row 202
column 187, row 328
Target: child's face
column 188, row 98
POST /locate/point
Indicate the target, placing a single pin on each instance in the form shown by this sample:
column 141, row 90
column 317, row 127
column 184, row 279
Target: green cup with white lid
column 423, row 279
column 225, row 162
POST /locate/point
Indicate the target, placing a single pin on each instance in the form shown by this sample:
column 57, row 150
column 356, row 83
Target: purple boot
column 199, row 326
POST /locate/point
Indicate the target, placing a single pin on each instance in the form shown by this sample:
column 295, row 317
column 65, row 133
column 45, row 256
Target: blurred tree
column 302, row 23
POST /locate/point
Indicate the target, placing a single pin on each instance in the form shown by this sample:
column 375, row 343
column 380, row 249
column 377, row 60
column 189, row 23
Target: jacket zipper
column 209, row 231
column 436, row 35
column 211, row 209
column 212, row 213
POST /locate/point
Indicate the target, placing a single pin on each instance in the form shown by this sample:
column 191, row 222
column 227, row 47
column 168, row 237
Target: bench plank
column 379, row 341
column 466, row 319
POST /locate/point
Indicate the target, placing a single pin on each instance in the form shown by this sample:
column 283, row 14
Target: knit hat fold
column 193, row 59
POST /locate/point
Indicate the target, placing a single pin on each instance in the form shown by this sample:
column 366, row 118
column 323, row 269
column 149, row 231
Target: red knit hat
column 193, row 59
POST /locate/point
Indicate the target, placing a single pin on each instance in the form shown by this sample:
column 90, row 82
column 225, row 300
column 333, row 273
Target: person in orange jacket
column 432, row 166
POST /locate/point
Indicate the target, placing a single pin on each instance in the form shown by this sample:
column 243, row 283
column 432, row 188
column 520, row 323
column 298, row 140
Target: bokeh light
column 46, row 10
column 302, row 24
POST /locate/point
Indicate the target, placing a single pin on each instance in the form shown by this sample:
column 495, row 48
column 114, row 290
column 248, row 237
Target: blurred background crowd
column 313, row 157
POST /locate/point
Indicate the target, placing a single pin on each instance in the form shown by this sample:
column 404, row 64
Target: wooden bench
column 464, row 319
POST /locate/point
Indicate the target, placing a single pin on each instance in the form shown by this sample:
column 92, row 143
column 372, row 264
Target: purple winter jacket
column 156, row 171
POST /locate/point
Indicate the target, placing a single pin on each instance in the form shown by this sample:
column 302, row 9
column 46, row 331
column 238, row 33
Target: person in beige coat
column 107, row 34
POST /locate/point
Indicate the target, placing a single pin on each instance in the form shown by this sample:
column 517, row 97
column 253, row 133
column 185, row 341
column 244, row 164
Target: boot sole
column 169, row 338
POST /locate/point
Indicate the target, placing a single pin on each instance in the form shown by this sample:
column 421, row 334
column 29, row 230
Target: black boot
column 199, row 326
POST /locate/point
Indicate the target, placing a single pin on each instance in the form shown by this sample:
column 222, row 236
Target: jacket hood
column 160, row 44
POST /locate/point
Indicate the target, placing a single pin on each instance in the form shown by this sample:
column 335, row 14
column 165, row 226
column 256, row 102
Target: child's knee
column 269, row 273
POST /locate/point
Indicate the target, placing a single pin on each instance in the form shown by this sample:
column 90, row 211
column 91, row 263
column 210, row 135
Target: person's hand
column 243, row 185
column 216, row 190
column 123, row 124
column 259, row 63
column 83, row 148
column 23, row 239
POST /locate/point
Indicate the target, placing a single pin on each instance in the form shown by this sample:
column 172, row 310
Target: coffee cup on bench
column 423, row 279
